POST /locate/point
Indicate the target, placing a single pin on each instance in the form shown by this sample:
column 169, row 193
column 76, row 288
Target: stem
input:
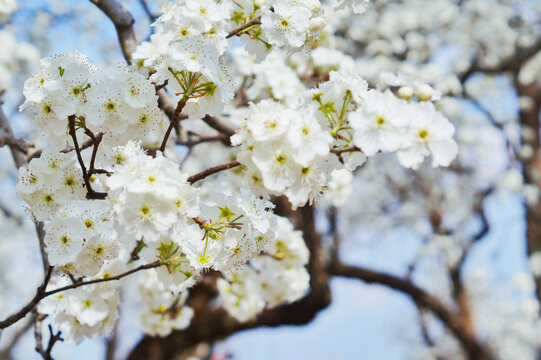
column 96, row 140
column 28, row 307
column 213, row 170
column 41, row 293
column 176, row 114
column 53, row 338
column 85, row 145
column 151, row 265
column 238, row 31
column 345, row 150
column 90, row 194
column 201, row 139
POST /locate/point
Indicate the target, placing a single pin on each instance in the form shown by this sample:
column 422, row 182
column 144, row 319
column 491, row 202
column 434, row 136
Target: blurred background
column 468, row 235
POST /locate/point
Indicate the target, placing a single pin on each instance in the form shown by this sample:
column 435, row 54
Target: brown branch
column 40, row 230
column 14, row 143
column 19, row 157
column 41, row 293
column 173, row 122
column 123, row 22
column 149, row 13
column 345, row 150
column 53, row 338
column 238, row 31
column 96, row 141
column 459, row 292
column 213, row 170
column 90, row 193
column 5, row 354
column 20, row 160
column 176, row 115
column 217, row 125
column 85, row 145
column 38, row 321
column 151, row 265
column 166, row 103
column 472, row 347
column 531, row 165
column 200, row 139
column 513, row 63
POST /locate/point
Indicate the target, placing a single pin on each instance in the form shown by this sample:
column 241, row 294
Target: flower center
column 280, row 159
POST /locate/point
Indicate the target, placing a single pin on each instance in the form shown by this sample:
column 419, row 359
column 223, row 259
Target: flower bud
column 317, row 24
column 424, row 92
column 405, row 92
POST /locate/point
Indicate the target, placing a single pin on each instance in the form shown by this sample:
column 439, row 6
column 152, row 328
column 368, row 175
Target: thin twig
column 219, row 126
column 173, row 122
column 151, row 265
column 213, row 170
column 345, row 150
column 18, row 156
column 41, row 293
column 85, row 145
column 90, row 193
column 38, row 321
column 474, row 349
column 239, row 31
column 123, row 21
column 149, row 13
column 6, row 352
column 201, row 139
column 180, row 105
column 53, row 338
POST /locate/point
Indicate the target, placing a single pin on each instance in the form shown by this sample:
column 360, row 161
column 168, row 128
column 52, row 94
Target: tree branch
column 90, row 193
column 514, row 63
column 213, row 170
column 200, row 139
column 149, row 13
column 472, row 347
column 53, row 338
column 345, row 150
column 17, row 154
column 174, row 120
column 41, row 293
column 240, row 30
column 5, row 354
column 217, row 125
column 123, row 22
column 151, row 265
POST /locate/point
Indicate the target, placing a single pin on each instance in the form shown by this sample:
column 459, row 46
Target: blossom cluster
column 81, row 237
column 50, row 182
column 118, row 102
column 274, row 277
column 293, row 141
column 291, row 24
column 185, row 51
column 150, row 196
column 287, row 150
column 163, row 310
column 85, row 312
